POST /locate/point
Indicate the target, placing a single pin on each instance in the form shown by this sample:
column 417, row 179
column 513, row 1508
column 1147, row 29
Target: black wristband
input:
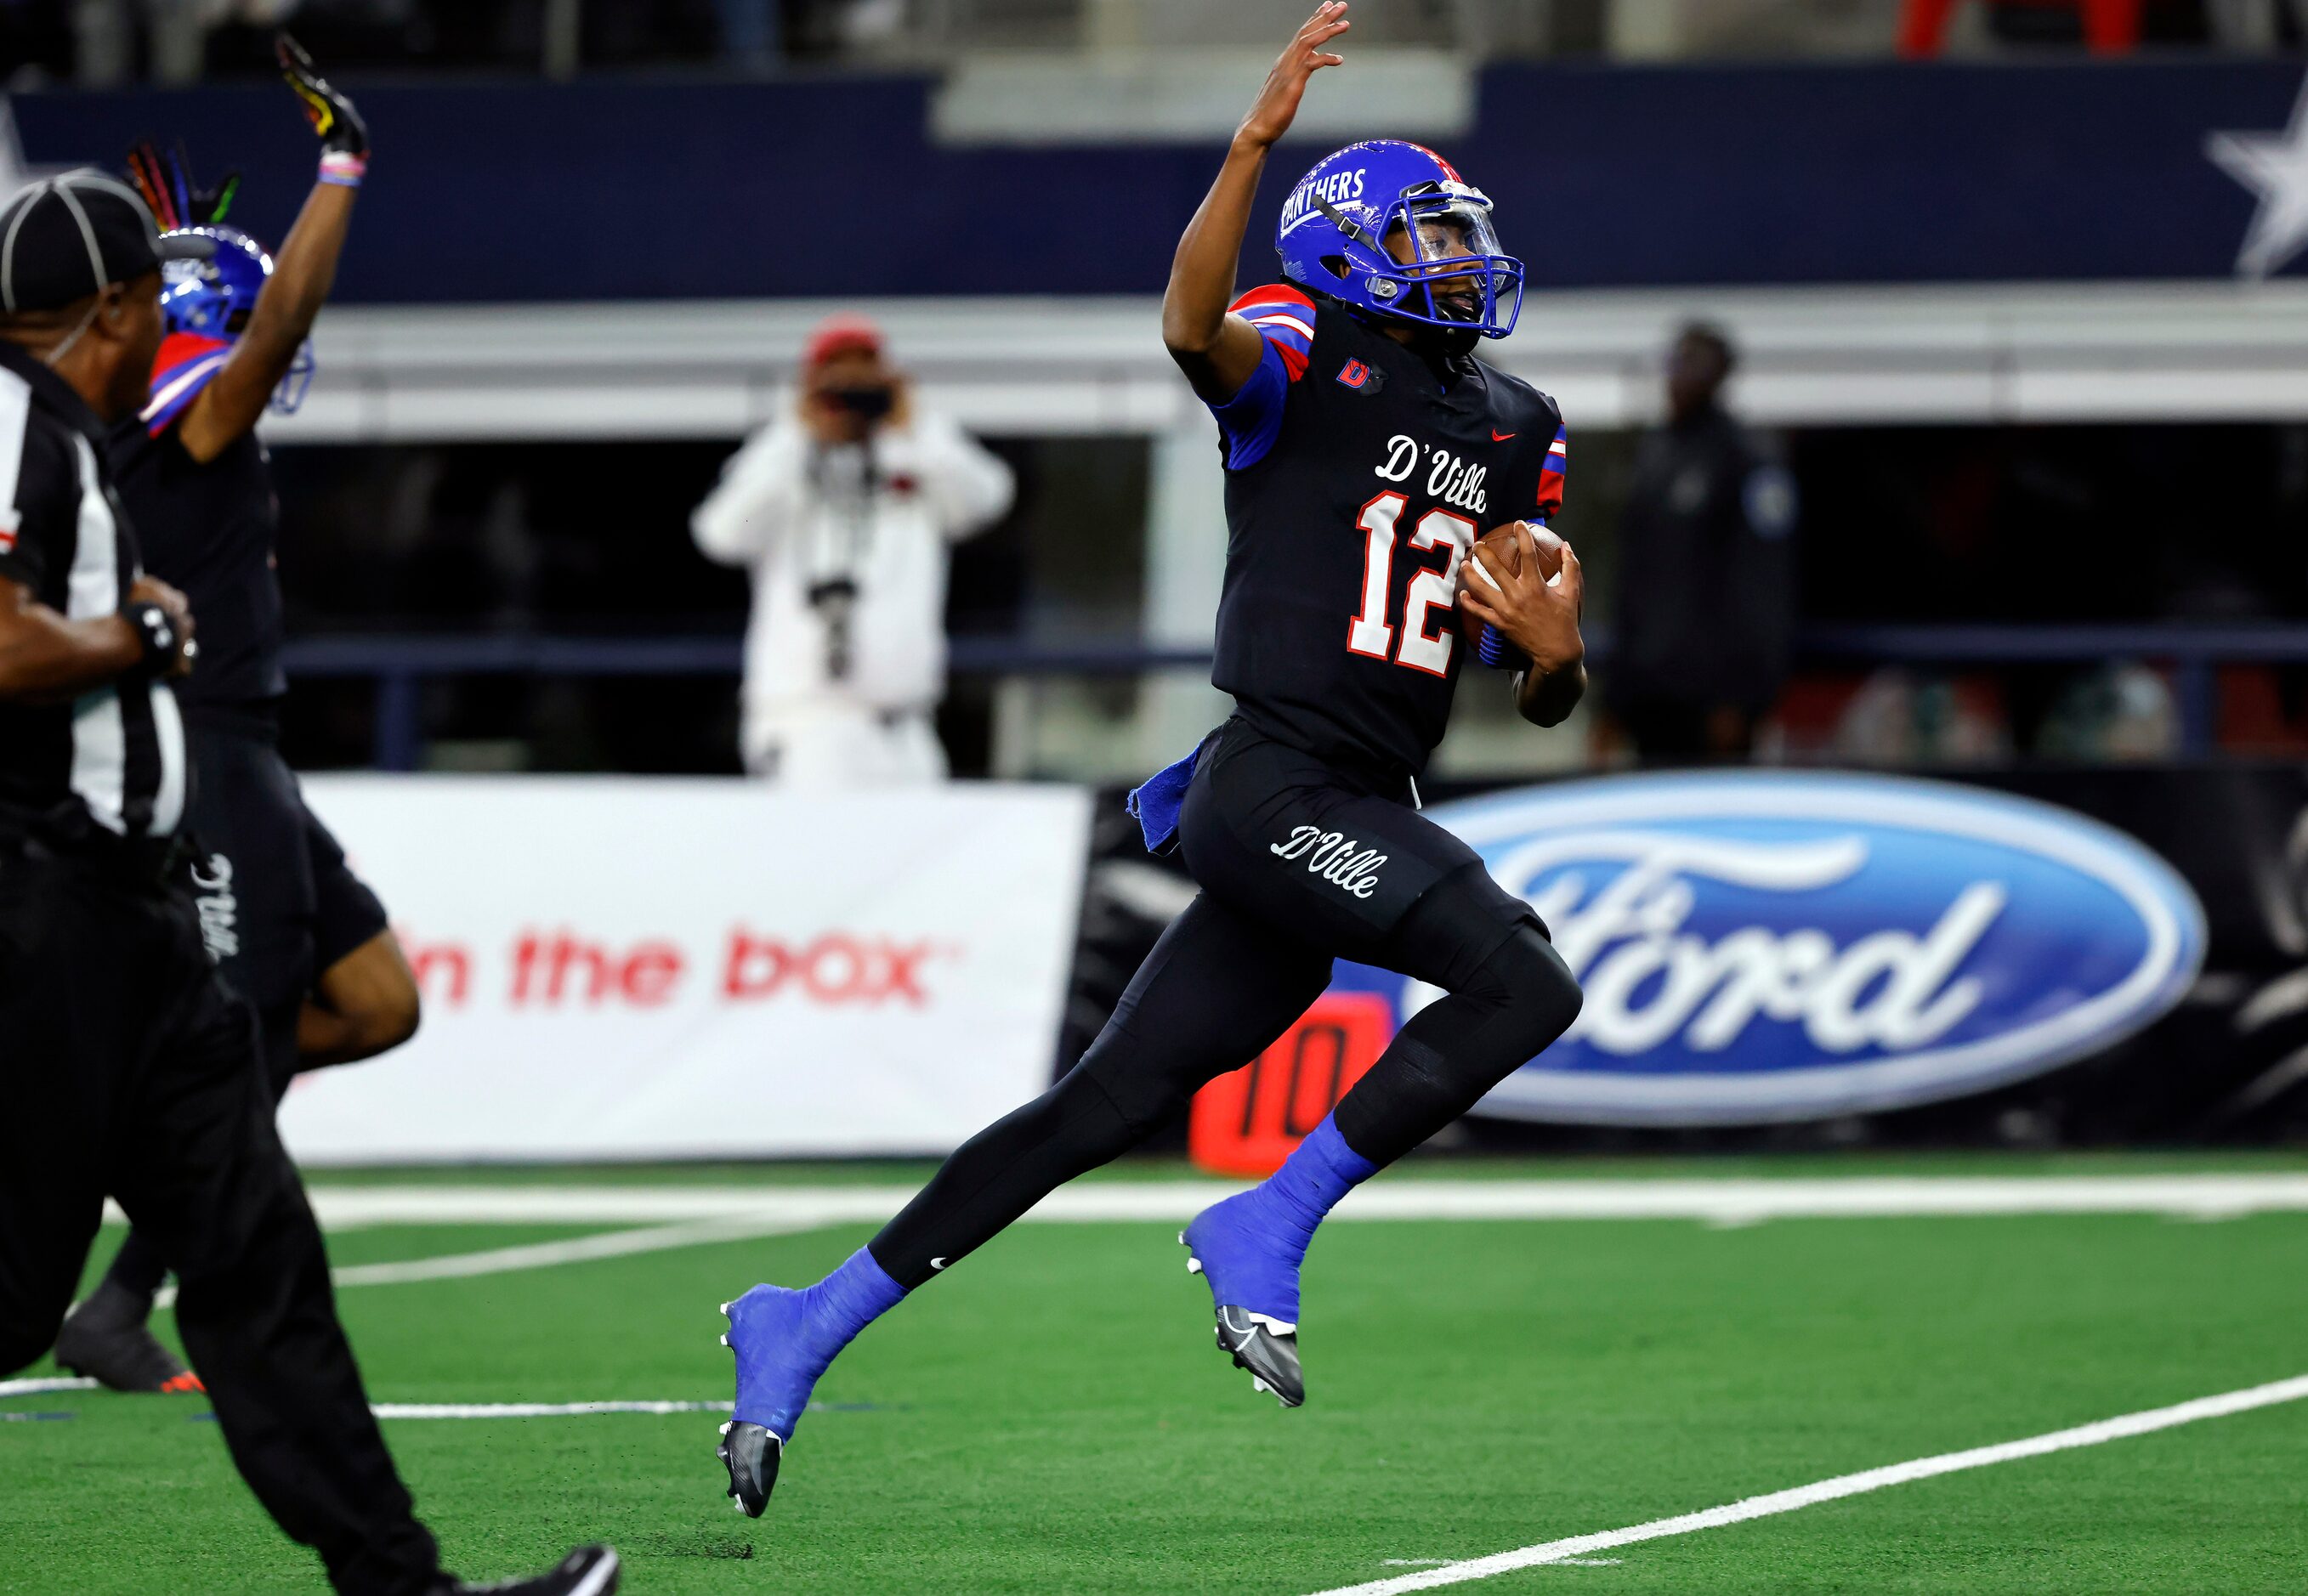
column 158, row 634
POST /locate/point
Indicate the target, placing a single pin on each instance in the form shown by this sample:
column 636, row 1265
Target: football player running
column 294, row 930
column 1362, row 443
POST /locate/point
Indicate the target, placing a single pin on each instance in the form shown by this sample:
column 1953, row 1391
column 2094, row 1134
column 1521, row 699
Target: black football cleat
column 1268, row 1348
column 1262, row 1343
column 588, row 1571
column 106, row 1339
column 751, row 1453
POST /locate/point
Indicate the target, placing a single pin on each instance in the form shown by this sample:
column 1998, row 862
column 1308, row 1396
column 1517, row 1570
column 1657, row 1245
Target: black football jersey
column 1339, row 632
column 209, row 530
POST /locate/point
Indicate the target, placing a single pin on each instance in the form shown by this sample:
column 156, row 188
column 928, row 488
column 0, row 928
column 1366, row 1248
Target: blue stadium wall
column 623, row 189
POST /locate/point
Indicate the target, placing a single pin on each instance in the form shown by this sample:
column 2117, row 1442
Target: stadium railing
column 401, row 665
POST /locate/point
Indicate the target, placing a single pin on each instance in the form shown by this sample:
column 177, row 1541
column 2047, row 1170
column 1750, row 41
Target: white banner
column 635, row 968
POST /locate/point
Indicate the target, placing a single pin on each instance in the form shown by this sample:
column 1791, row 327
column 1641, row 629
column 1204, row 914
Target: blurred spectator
column 2121, row 711
column 843, row 511
column 1706, row 611
column 1900, row 719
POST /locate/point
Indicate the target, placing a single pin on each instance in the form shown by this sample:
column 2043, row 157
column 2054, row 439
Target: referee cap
column 68, row 236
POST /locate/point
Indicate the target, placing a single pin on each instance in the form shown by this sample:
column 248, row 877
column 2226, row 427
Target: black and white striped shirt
column 115, row 755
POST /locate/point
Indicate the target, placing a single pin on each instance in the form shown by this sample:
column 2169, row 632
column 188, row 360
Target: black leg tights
column 1506, row 1003
column 1216, row 992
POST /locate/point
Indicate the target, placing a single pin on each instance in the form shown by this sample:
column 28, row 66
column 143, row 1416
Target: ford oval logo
column 1763, row 946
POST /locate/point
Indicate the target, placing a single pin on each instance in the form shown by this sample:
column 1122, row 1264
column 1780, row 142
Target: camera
column 868, row 403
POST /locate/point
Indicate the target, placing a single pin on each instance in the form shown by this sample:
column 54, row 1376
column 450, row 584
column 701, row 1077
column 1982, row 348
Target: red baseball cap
column 841, row 335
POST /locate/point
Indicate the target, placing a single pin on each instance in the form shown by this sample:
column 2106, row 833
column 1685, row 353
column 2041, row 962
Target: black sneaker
column 588, row 1571
column 106, row 1338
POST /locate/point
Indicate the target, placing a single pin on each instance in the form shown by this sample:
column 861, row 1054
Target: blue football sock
column 1319, row 1172
column 850, row 1299
column 785, row 1339
column 1249, row 1246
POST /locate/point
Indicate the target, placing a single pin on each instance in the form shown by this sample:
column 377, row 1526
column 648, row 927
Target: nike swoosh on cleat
column 940, row 1263
column 601, row 1578
column 1499, row 437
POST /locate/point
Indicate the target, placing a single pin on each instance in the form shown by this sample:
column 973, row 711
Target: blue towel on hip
column 1156, row 804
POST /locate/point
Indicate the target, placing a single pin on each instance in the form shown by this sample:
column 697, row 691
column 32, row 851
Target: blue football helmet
column 1384, row 224
column 213, row 298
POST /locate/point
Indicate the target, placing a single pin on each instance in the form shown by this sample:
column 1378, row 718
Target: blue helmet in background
column 206, row 310
column 1384, row 224
column 213, row 298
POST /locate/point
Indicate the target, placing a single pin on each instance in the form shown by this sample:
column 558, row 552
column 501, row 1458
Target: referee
column 290, row 924
column 128, row 1067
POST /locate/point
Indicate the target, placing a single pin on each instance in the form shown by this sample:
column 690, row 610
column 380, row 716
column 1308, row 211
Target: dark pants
column 278, row 901
column 278, row 904
column 129, row 1067
column 1299, row 863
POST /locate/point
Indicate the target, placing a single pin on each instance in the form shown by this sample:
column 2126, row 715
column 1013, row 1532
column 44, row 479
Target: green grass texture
column 1052, row 1416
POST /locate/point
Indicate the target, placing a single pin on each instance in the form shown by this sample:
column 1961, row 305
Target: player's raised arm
column 304, row 272
column 1216, row 351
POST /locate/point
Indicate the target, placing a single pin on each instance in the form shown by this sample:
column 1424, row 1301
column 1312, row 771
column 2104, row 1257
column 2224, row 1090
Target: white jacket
column 798, row 515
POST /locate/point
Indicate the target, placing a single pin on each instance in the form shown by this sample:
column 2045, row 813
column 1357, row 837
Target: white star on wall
column 2275, row 166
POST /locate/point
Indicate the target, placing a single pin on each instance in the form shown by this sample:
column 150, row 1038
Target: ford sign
column 1763, row 945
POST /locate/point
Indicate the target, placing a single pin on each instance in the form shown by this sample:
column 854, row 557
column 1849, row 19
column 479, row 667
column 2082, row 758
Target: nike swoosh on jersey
column 940, row 1263
column 1499, row 437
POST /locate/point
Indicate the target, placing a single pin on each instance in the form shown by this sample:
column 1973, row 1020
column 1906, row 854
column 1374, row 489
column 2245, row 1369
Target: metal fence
column 401, row 666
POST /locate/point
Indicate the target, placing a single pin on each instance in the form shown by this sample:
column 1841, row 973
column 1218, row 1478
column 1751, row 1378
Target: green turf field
column 1052, row 1417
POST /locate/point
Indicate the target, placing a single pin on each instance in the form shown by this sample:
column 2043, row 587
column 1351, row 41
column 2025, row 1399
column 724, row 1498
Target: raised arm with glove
column 231, row 402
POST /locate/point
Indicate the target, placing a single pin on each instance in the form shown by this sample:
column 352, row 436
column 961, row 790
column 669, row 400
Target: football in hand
column 1507, row 548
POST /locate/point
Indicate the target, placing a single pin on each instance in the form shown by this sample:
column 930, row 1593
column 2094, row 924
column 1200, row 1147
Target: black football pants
column 276, row 875
column 1244, row 961
column 127, row 1067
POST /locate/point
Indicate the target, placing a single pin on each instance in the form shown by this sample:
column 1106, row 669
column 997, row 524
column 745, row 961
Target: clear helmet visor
column 1445, row 237
column 1447, row 253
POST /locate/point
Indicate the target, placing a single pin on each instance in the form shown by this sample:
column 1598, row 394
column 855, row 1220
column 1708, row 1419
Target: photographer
column 843, row 513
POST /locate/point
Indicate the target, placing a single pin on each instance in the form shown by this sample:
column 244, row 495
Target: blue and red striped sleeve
column 1285, row 318
column 1550, row 475
column 1252, row 418
column 185, row 366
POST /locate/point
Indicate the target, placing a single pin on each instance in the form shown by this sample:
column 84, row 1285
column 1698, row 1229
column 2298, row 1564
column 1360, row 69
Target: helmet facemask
column 1435, row 259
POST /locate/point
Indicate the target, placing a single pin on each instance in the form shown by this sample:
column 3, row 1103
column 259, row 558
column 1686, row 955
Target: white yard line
column 435, row 1409
column 1844, row 1485
column 546, row 1255
column 576, row 1249
column 1729, row 1202
column 537, row 1410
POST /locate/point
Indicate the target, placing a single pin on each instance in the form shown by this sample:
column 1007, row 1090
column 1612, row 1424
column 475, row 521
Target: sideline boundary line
column 2104, row 1430
column 1730, row 1200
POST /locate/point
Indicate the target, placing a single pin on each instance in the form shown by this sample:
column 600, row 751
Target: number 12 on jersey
column 1418, row 646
